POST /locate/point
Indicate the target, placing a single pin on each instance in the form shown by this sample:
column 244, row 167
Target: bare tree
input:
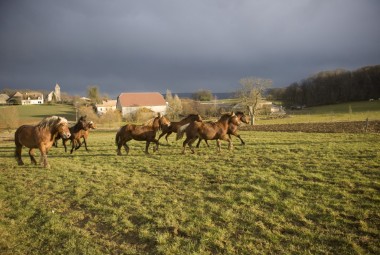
column 251, row 93
column 174, row 105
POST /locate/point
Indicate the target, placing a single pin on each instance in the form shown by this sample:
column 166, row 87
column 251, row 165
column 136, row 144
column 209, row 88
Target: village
column 130, row 103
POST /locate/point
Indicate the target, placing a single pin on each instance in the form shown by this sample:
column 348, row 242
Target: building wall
column 158, row 109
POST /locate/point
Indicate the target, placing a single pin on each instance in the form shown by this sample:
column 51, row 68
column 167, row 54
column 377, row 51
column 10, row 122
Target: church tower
column 57, row 92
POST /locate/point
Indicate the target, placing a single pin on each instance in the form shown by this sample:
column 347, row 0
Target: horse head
column 82, row 123
column 243, row 118
column 91, row 125
column 63, row 128
column 164, row 122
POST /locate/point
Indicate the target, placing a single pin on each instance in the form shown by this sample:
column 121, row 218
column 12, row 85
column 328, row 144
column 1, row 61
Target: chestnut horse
column 40, row 136
column 76, row 133
column 233, row 127
column 140, row 133
column 175, row 125
column 85, row 133
column 207, row 131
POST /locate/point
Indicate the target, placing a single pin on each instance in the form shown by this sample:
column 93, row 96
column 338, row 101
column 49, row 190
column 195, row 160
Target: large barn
column 129, row 103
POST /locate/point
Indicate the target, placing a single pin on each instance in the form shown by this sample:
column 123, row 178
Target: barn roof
column 141, row 99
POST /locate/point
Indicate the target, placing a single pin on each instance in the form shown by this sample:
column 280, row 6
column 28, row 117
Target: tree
column 174, row 105
column 203, row 95
column 93, row 94
column 251, row 93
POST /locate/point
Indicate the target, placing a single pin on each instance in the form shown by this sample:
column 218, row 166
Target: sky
column 181, row 45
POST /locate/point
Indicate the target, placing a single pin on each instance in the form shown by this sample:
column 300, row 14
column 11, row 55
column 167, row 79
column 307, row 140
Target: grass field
column 354, row 111
column 282, row 193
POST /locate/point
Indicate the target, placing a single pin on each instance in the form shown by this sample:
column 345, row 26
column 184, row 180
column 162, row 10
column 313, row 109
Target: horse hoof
column 20, row 163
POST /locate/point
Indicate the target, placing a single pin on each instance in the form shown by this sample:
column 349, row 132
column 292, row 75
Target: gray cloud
column 181, row 45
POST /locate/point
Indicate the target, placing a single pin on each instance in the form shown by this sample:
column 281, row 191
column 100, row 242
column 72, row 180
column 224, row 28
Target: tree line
column 331, row 87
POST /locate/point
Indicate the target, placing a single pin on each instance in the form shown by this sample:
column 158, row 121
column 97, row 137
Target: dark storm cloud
column 181, row 45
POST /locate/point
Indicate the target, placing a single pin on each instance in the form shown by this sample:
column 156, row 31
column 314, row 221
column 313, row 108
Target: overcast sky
column 183, row 46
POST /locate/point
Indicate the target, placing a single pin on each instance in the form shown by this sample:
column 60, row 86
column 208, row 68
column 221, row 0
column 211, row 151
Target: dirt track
column 324, row 127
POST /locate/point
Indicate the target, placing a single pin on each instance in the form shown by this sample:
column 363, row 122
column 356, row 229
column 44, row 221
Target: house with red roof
column 129, row 103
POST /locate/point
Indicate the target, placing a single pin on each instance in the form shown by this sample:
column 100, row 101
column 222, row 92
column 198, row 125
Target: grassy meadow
column 354, row 111
column 281, row 193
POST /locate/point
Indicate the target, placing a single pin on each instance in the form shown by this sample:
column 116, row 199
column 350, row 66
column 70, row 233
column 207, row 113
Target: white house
column 129, row 103
column 32, row 98
column 105, row 106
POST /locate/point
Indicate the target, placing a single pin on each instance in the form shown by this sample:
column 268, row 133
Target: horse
column 40, row 136
column 207, row 131
column 140, row 133
column 85, row 133
column 233, row 127
column 76, row 133
column 174, row 125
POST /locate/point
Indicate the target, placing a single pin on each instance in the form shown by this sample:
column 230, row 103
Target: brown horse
column 140, row 133
column 76, row 133
column 40, row 136
column 233, row 127
column 85, row 133
column 175, row 125
column 207, row 131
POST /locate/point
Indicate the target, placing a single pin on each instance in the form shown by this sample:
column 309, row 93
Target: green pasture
column 354, row 111
column 282, row 193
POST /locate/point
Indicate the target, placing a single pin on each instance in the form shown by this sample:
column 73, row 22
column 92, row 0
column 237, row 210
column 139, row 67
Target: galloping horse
column 175, row 125
column 207, row 131
column 76, row 133
column 140, row 133
column 233, row 127
column 85, row 133
column 40, row 136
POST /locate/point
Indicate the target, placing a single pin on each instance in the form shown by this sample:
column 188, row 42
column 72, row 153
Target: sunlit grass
column 282, row 193
column 354, row 111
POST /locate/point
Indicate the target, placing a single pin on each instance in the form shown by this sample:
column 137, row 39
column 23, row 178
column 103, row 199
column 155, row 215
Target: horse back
column 31, row 137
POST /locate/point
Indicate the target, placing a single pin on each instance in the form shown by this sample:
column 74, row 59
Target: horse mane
column 51, row 121
column 149, row 123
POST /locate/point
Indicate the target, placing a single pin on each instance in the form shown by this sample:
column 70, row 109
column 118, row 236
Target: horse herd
column 46, row 133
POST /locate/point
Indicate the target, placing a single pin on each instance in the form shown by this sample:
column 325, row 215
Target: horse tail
column 117, row 137
column 181, row 130
column 18, row 145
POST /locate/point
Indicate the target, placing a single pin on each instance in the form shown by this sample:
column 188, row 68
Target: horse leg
column 85, row 143
column 184, row 144
column 44, row 157
column 167, row 135
column 72, row 146
column 191, row 144
column 64, row 144
column 218, row 145
column 147, row 147
column 155, row 148
column 126, row 148
column 199, row 142
column 241, row 140
column 18, row 154
column 31, row 155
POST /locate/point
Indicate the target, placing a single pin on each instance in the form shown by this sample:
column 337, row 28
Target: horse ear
column 232, row 114
column 159, row 115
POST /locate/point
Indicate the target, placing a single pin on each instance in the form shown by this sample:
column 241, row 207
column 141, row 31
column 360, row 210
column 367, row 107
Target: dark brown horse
column 233, row 127
column 140, row 133
column 40, row 136
column 207, row 131
column 175, row 125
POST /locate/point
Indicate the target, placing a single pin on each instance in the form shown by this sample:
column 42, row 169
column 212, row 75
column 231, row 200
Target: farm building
column 4, row 98
column 32, row 98
column 105, row 106
column 129, row 103
column 27, row 98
